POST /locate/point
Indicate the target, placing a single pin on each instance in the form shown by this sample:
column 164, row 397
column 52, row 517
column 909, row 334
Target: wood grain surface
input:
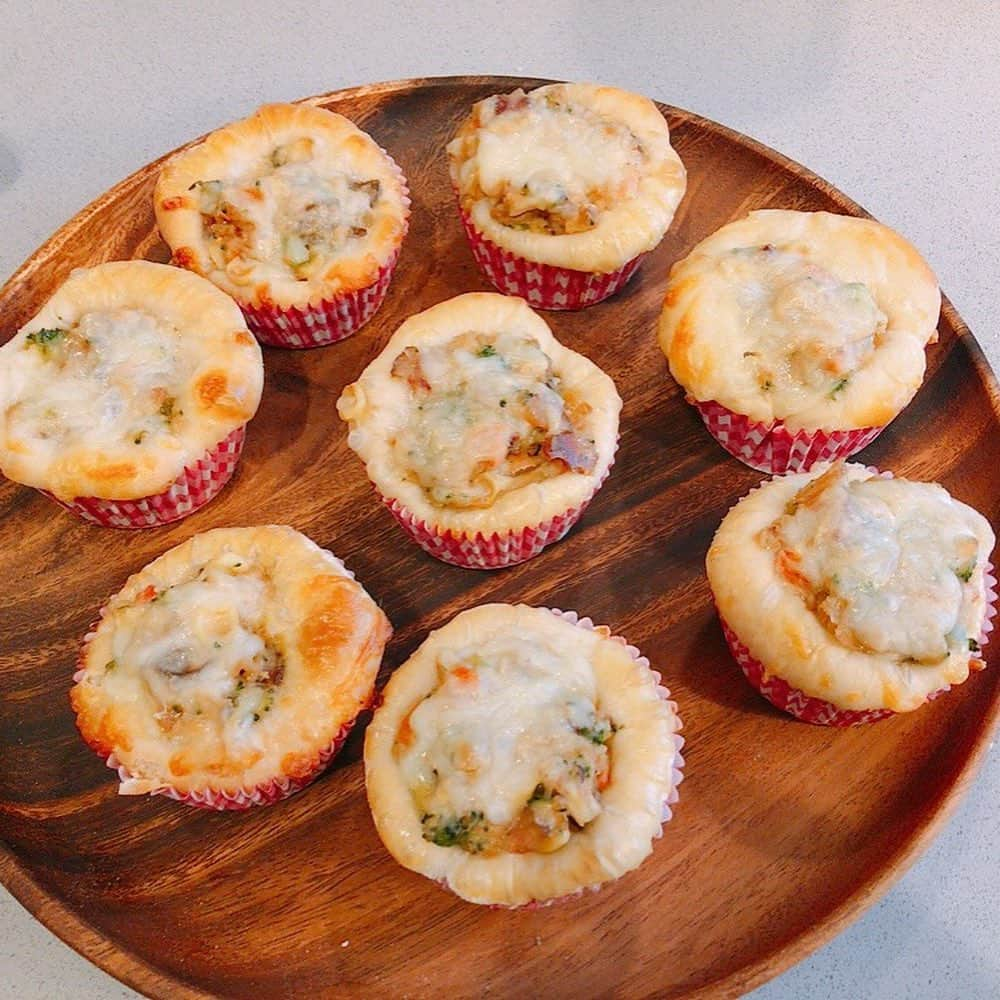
column 784, row 831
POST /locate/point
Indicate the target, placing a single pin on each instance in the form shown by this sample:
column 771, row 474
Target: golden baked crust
column 232, row 659
column 127, row 375
column 381, row 409
column 289, row 207
column 789, row 623
column 638, row 735
column 605, row 150
column 814, row 319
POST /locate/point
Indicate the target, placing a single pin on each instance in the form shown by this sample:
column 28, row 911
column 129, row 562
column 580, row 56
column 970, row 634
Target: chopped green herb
column 138, row 438
column 599, row 733
column 110, row 665
column 217, row 644
column 459, row 831
column 767, row 385
column 503, row 402
column 964, row 573
column 839, row 386
column 486, row 351
column 256, row 717
column 45, row 339
column 974, row 646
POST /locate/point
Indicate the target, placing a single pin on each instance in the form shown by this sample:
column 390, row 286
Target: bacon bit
column 603, row 779
column 254, row 192
column 510, row 102
column 466, row 675
column 975, row 664
column 786, row 561
column 146, row 594
column 185, row 257
column 578, row 454
column 178, row 201
column 407, row 366
column 242, row 337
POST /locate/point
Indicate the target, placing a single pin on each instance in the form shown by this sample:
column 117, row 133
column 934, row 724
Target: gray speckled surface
column 898, row 103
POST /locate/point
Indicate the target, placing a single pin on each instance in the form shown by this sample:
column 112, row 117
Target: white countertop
column 897, row 103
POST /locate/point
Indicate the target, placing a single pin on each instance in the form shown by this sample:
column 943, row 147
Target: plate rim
column 122, row 964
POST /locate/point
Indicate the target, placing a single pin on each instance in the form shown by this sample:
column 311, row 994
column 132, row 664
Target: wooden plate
column 784, row 831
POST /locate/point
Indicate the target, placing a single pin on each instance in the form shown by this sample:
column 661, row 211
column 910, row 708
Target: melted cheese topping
column 290, row 206
column 519, row 755
column 118, row 375
column 547, row 165
column 131, row 372
column 508, row 750
column 570, row 174
column 207, row 669
column 865, row 591
column 816, row 320
column 889, row 563
column 487, row 417
column 476, row 418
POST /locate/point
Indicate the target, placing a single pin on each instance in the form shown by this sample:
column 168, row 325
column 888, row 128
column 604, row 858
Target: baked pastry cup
column 847, row 595
column 294, row 212
column 125, row 398
column 228, row 672
column 799, row 335
column 564, row 189
column 484, row 436
column 522, row 755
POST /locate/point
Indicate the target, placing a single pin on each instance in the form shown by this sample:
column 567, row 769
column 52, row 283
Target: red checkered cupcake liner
column 191, row 490
column 772, row 447
column 324, row 323
column 543, row 285
column 493, row 551
column 676, row 775
column 815, row 710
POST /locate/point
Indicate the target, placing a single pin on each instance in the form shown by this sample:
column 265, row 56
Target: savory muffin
column 228, row 671
column 483, row 434
column 296, row 213
column 847, row 595
column 522, row 755
column 563, row 189
column 799, row 335
column 125, row 397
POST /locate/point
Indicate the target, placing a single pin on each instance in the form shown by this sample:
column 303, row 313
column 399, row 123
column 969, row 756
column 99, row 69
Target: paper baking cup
column 772, row 447
column 677, row 772
column 493, row 551
column 192, row 489
column 815, row 710
column 324, row 323
column 542, row 285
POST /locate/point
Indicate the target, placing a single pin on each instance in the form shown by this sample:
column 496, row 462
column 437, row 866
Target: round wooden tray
column 784, row 831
